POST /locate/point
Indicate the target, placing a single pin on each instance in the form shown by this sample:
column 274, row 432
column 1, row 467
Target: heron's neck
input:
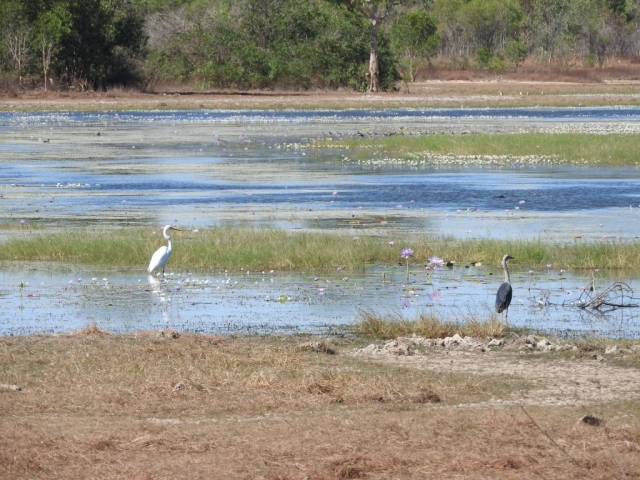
column 504, row 265
column 168, row 242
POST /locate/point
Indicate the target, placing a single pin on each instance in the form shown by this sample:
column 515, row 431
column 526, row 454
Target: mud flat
column 435, row 93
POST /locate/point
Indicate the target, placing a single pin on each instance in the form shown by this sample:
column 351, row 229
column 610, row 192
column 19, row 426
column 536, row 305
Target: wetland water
column 60, row 299
column 205, row 168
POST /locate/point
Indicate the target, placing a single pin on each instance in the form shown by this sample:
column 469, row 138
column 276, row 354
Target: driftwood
column 617, row 295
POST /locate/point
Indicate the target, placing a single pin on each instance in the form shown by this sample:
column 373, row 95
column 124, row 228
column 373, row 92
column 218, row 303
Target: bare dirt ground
column 433, row 93
column 153, row 405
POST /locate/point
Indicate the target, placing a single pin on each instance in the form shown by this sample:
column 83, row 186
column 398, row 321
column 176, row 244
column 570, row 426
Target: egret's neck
column 168, row 242
column 504, row 265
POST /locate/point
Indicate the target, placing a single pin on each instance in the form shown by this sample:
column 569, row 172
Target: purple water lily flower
column 406, row 253
column 436, row 262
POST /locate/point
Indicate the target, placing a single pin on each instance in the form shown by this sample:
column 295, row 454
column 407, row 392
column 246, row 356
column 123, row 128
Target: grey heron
column 505, row 292
column 160, row 257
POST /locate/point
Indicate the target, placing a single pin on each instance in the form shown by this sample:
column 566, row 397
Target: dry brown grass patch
column 104, row 406
column 91, row 329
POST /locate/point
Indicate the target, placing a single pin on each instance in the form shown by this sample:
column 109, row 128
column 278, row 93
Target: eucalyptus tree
column 376, row 12
column 546, row 26
column 104, row 38
column 415, row 39
column 15, row 35
column 50, row 27
column 295, row 44
column 472, row 25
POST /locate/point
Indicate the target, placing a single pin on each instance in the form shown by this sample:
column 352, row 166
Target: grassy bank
column 260, row 249
column 531, row 148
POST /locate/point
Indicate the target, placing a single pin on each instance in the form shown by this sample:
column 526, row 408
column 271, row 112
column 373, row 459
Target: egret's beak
column 176, row 228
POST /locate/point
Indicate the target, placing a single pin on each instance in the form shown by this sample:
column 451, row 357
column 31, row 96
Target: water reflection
column 161, row 296
column 54, row 301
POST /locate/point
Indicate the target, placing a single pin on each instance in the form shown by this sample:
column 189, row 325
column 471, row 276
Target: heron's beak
column 176, row 228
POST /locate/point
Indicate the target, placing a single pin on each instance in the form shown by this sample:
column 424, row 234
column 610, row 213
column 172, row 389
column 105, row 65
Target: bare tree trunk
column 47, row 49
column 374, row 72
column 17, row 43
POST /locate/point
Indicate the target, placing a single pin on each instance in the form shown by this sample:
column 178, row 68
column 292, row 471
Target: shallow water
column 53, row 300
column 206, row 168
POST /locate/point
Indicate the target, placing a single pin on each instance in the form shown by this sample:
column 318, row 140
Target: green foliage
column 483, row 57
column 480, row 24
column 516, row 52
column 298, row 44
column 281, row 43
column 415, row 40
column 489, row 61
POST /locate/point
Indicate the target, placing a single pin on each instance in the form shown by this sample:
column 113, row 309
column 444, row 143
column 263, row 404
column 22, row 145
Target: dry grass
column 373, row 325
column 441, row 89
column 142, row 406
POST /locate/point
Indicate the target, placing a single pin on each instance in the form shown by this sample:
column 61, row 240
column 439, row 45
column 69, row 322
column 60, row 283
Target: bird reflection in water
column 161, row 295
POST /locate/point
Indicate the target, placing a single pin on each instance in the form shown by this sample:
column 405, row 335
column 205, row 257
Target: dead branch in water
column 617, row 295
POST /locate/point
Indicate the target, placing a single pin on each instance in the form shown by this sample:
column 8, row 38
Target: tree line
column 299, row 44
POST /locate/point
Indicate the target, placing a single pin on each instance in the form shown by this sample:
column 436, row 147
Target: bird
column 505, row 292
column 160, row 257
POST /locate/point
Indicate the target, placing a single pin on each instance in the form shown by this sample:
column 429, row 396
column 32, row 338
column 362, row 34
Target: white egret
column 505, row 292
column 160, row 257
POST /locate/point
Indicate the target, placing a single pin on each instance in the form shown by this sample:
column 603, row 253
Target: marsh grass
column 388, row 326
column 259, row 249
column 592, row 149
column 18, row 227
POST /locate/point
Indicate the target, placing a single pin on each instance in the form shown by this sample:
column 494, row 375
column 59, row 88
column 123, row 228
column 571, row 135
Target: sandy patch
column 557, row 381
